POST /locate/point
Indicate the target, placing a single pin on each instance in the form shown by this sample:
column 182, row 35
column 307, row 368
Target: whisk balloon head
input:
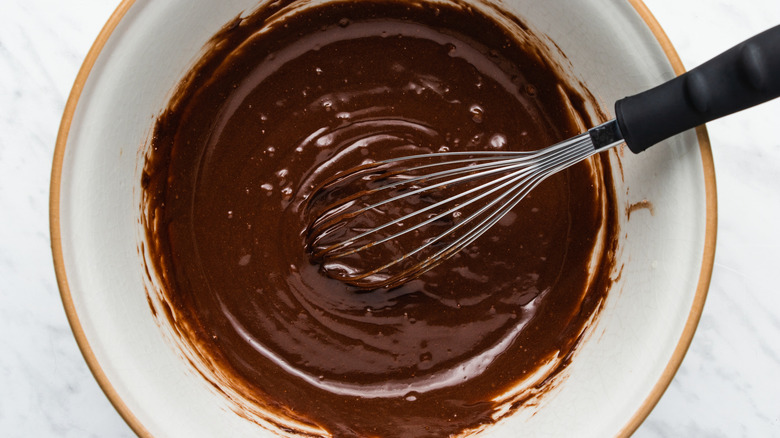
column 385, row 223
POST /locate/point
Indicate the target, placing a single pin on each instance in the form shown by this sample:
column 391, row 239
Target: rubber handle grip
column 744, row 76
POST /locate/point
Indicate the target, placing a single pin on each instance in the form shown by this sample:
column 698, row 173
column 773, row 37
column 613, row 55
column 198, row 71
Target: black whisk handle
column 743, row 76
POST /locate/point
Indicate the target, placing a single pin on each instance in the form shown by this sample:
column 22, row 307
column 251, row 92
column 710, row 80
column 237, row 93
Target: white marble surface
column 728, row 385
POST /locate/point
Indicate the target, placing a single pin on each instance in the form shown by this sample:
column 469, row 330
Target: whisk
column 385, row 223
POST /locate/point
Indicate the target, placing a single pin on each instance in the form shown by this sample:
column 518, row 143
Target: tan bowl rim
column 86, row 350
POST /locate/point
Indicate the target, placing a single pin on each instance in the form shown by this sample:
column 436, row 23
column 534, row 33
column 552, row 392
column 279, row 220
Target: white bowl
column 666, row 198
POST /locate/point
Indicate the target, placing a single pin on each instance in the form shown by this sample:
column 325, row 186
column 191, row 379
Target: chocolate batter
column 288, row 96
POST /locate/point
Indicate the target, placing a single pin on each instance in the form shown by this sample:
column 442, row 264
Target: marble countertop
column 728, row 384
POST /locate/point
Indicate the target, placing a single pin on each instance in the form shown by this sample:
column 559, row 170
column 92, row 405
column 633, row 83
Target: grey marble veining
column 727, row 386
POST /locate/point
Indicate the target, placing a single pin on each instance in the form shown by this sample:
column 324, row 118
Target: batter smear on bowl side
column 290, row 95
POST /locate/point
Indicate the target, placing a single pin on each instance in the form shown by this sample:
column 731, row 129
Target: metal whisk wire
column 510, row 176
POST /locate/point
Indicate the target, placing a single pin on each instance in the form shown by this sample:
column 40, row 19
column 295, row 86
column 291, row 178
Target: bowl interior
column 620, row 370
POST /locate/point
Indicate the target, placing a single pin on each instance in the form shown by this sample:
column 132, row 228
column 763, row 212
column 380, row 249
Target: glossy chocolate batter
column 283, row 100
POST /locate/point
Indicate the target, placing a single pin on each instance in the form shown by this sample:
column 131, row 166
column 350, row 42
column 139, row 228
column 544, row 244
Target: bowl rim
column 135, row 424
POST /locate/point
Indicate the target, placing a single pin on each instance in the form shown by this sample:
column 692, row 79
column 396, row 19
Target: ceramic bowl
column 665, row 198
